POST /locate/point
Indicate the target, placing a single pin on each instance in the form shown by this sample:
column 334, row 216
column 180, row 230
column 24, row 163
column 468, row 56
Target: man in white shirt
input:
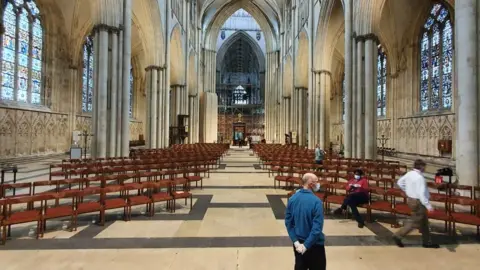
column 415, row 187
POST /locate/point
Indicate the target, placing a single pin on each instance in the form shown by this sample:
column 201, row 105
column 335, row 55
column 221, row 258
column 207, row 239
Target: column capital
column 153, row 68
column 193, row 96
column 371, row 36
column 177, row 85
column 325, row 72
column 107, row 28
column 287, row 97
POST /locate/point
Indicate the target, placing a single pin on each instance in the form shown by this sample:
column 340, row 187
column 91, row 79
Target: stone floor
column 236, row 222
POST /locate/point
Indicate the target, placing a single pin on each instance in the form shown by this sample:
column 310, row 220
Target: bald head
column 308, row 179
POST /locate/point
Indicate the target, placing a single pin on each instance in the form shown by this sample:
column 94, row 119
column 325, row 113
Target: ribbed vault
column 240, row 38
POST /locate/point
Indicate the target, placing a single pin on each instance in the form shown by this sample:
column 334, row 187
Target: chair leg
column 4, row 235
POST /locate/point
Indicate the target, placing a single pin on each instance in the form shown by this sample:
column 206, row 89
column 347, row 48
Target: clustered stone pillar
column 193, row 119
column 359, row 99
column 287, row 114
column 313, row 106
column 272, row 98
column 152, row 101
column 178, row 103
column 348, row 79
column 157, row 112
column 355, row 124
column 127, row 58
column 320, row 108
column 300, row 112
column 362, row 117
column 371, row 51
column 111, row 99
column 209, row 100
column 467, row 23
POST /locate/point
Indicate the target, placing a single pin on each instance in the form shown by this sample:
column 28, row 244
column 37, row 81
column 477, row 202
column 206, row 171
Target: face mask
column 357, row 177
column 316, row 187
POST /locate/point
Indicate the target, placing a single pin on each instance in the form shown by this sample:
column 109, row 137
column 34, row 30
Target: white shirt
column 414, row 185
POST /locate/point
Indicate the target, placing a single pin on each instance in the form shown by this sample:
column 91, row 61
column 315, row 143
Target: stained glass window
column 131, row 92
column 87, row 75
column 436, row 56
column 343, row 98
column 381, row 82
column 22, row 45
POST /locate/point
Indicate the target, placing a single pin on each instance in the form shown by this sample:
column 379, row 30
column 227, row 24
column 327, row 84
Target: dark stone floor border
column 239, row 205
column 210, row 242
column 236, row 187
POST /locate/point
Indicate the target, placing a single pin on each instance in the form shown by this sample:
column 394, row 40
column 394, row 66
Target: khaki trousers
column 418, row 220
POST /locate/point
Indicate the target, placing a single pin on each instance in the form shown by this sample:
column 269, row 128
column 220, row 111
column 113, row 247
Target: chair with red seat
column 156, row 193
column 180, row 189
column 378, row 201
column 142, row 198
column 399, row 207
column 59, row 210
column 32, row 213
column 467, row 218
column 17, row 190
column 84, row 206
column 333, row 195
column 115, row 202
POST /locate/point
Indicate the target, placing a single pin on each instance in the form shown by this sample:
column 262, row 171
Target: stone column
column 311, row 113
column 267, row 99
column 112, row 134
column 160, row 107
column 152, row 101
column 321, row 112
column 118, row 151
column 348, row 78
column 127, row 55
column 466, row 64
column 293, row 111
column 302, row 115
column 166, row 109
column 100, row 102
column 370, row 98
column 318, row 113
column 355, row 124
column 360, row 115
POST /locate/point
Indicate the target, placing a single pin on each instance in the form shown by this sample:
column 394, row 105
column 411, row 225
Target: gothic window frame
column 382, row 84
column 88, row 46
column 34, row 15
column 428, row 106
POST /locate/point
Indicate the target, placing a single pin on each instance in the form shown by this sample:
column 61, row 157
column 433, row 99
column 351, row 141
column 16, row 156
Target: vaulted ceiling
column 271, row 9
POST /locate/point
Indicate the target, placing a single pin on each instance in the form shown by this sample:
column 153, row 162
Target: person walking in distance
column 414, row 185
column 304, row 223
column 319, row 155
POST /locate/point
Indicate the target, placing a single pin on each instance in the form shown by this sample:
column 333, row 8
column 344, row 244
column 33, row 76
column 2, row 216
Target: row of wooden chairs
column 384, row 197
column 45, row 206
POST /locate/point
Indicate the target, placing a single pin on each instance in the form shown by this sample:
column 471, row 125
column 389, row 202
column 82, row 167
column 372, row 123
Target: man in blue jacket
column 304, row 222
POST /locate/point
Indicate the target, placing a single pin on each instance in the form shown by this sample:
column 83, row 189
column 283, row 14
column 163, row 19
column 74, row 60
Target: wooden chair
column 32, row 213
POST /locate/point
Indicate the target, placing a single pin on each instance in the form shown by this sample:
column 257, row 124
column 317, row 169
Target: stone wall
column 24, row 132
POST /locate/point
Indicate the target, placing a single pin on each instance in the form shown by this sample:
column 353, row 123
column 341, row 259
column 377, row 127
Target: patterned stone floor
column 236, row 222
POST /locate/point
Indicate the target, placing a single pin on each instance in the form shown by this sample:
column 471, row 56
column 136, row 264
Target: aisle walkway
column 236, row 223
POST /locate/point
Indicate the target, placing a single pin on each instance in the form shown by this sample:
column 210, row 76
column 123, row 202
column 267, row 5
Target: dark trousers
column 319, row 162
column 417, row 220
column 313, row 259
column 353, row 200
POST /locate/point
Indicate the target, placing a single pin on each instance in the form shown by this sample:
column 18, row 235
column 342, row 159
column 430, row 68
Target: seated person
column 357, row 194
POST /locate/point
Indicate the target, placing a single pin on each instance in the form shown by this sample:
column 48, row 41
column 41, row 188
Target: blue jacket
column 304, row 218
